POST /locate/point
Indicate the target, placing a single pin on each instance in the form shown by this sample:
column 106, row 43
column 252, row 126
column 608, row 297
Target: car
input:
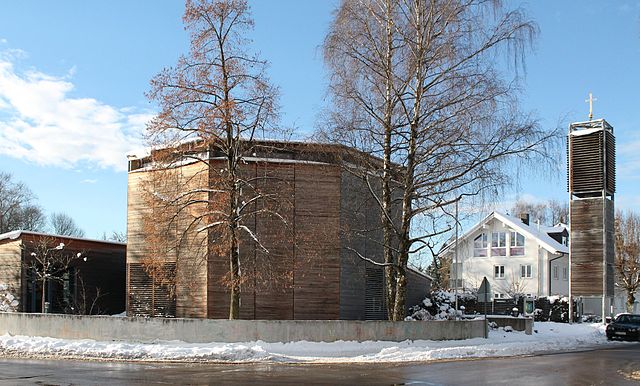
column 625, row 326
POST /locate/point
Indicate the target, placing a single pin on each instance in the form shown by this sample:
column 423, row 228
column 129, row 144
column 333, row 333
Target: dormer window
column 499, row 244
column 516, row 244
column 480, row 245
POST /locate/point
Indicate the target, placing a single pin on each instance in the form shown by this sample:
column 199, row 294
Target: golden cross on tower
column 590, row 100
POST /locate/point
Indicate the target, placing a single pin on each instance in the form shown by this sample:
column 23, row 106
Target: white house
column 515, row 256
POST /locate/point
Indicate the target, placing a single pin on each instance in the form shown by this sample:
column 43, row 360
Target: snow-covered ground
column 549, row 337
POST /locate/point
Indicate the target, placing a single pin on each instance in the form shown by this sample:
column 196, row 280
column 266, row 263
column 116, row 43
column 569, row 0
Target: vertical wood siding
column 587, row 255
column 11, row 267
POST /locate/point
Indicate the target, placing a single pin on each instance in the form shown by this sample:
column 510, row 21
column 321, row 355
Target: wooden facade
column 592, row 247
column 99, row 275
column 591, row 183
column 307, row 273
column 591, row 167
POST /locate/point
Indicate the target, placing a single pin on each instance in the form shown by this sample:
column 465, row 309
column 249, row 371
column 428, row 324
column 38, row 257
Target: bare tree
column 548, row 213
column 86, row 301
column 218, row 97
column 440, row 271
column 117, row 236
column 558, row 212
column 17, row 209
column 64, row 225
column 48, row 261
column 419, row 84
column 627, row 245
column 514, row 285
column 536, row 211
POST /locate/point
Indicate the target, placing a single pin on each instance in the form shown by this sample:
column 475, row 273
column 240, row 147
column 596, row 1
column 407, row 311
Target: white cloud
column 89, row 181
column 40, row 122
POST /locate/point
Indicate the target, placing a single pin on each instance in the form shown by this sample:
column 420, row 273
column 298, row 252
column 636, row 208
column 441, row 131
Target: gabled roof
column 545, row 241
column 14, row 235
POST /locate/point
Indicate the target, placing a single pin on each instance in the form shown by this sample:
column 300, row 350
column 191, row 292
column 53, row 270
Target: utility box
column 528, row 306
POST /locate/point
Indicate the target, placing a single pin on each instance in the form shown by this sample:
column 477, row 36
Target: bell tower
column 591, row 182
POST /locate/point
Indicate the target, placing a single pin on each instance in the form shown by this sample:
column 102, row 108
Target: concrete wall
column 208, row 330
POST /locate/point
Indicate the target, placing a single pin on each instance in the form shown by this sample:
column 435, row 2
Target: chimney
column 524, row 217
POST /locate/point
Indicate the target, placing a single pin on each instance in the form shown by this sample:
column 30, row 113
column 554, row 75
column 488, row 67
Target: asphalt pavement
column 614, row 365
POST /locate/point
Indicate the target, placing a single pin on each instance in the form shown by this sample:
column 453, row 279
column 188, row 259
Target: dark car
column 625, row 326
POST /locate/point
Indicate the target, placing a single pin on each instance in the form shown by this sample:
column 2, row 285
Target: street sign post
column 484, row 295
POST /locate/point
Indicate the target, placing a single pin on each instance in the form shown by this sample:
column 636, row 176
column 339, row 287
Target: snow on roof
column 14, row 235
column 546, row 241
column 559, row 228
column 580, row 132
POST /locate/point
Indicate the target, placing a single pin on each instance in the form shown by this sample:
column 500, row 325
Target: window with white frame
column 565, row 273
column 517, row 244
column 525, row 271
column 499, row 296
column 480, row 245
column 498, row 271
column 555, row 272
column 498, row 244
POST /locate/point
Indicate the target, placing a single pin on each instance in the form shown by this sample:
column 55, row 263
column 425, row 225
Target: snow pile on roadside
column 88, row 348
column 550, row 337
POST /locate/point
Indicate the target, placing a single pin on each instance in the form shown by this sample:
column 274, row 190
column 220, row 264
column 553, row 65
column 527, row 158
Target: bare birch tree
column 627, row 234
column 454, row 130
column 219, row 96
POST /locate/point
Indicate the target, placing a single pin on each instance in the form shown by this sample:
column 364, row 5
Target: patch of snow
column 549, row 337
column 580, row 132
column 10, row 235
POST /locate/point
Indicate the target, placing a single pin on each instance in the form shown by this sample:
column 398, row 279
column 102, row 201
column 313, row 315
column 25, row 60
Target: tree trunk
column 44, row 288
column 387, row 210
column 234, row 248
column 401, row 294
column 234, row 304
column 631, row 299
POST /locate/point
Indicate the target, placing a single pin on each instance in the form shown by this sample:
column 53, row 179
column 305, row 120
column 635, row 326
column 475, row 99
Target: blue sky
column 73, row 76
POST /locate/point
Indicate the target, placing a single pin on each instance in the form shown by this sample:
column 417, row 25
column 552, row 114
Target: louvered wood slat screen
column 374, row 294
column 147, row 298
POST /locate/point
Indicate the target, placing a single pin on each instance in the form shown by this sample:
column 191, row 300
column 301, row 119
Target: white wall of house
column 523, row 269
column 559, row 272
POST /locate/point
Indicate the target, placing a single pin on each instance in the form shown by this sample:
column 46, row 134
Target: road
column 618, row 365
